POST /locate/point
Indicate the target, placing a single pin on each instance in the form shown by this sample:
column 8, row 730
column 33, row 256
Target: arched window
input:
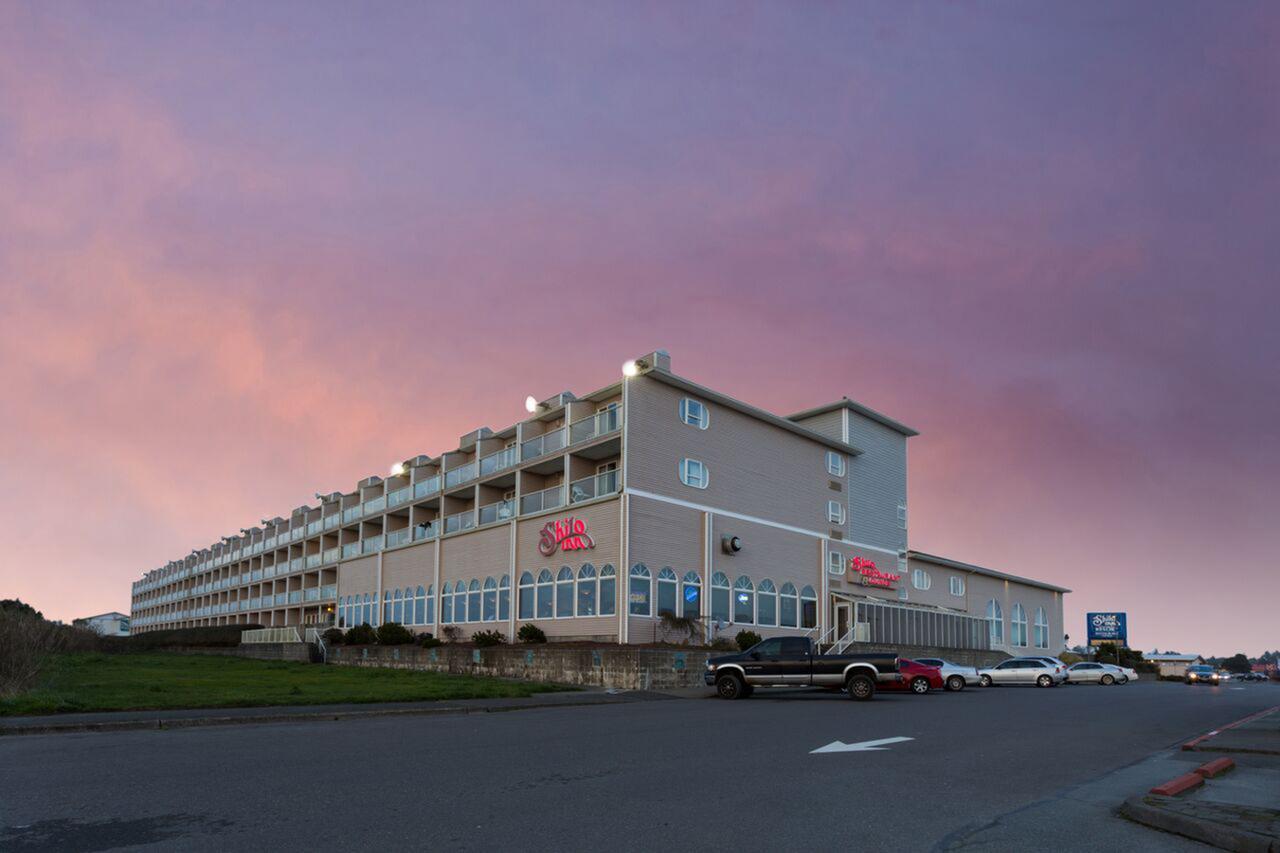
column 564, row 592
column 691, row 595
column 420, row 607
column 744, row 601
column 459, row 602
column 504, row 598
column 995, row 622
column 666, row 591
column 490, row 600
column 397, row 611
column 431, row 604
column 719, row 597
column 1042, row 629
column 608, row 590
column 1018, row 626
column 767, row 604
column 808, row 608
column 473, row 601
column 446, row 604
column 525, row 603
column 640, row 590
column 386, row 605
column 587, row 590
column 546, row 604
column 788, row 606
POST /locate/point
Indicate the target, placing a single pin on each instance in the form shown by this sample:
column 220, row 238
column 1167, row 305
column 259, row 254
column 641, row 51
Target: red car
column 916, row 677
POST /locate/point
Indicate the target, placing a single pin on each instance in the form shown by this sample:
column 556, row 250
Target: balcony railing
column 351, row 513
column 499, row 461
column 313, row 560
column 500, row 511
column 282, row 598
column 331, row 521
column 351, row 549
column 295, row 534
column 398, row 537
column 295, row 565
column 330, row 591
column 460, row 475
column 295, row 596
column 371, row 545
column 545, row 499
column 546, row 443
column 605, row 483
column 427, row 487
column 399, row 496
column 313, row 594
column 426, row 531
column 314, row 527
column 601, row 423
column 460, row 521
column 374, row 506
column 332, row 555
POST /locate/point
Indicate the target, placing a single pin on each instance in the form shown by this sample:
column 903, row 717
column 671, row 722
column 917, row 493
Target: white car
column 1023, row 671
column 1087, row 672
column 954, row 676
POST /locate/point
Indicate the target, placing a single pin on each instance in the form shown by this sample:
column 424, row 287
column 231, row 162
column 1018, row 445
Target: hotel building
column 598, row 514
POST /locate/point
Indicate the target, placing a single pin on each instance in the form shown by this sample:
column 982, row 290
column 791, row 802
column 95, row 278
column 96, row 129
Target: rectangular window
column 692, row 601
column 546, row 606
column 666, row 597
column 808, row 613
column 835, row 512
column 957, row 585
column 526, row 602
column 835, row 562
column 693, row 473
column 920, row 579
column 608, row 595
column 694, row 413
column 835, row 464
column 639, row 597
column 902, row 593
column 720, row 604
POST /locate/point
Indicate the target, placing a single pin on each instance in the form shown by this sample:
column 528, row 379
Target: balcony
column 427, row 487
column 601, row 423
column 430, row 530
column 295, row 534
column 351, row 549
column 282, row 598
column 372, row 545
column 398, row 537
column 545, row 499
column 399, row 496
column 460, row 475
column 314, row 527
column 542, row 445
column 331, row 521
column 313, row 594
column 313, row 560
column 295, row 597
column 500, row 511
column 332, row 555
column 460, row 521
column 499, row 461
column 295, row 565
column 374, row 506
column 330, row 591
column 351, row 513
column 605, row 483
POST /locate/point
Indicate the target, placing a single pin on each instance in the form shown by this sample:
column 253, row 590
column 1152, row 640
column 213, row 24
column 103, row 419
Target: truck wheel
column 985, row 680
column 729, row 686
column 1044, row 681
column 920, row 685
column 861, row 687
column 955, row 682
column 1108, row 680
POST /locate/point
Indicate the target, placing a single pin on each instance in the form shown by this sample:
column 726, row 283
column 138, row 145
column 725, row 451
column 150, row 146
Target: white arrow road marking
column 864, row 746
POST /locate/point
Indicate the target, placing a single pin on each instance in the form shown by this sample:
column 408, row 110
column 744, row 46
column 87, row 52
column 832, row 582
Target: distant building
column 1174, row 665
column 111, row 624
column 1264, row 668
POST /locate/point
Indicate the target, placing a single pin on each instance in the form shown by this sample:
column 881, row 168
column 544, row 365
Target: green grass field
column 98, row 682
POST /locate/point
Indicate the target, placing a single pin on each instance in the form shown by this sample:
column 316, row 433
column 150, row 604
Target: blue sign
column 691, row 594
column 1107, row 628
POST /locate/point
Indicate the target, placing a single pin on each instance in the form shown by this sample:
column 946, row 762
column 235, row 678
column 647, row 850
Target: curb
column 1180, row 785
column 1146, row 810
column 1194, row 743
column 243, row 719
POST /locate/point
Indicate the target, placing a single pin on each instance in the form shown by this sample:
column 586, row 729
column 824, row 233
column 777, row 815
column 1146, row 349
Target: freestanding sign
column 1107, row 628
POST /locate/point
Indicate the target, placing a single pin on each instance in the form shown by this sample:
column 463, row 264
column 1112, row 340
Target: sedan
column 954, row 675
column 1095, row 673
column 1022, row 671
column 1201, row 674
column 916, row 677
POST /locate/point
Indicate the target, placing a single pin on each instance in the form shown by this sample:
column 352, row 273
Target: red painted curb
column 1214, row 768
column 1191, row 744
column 1176, row 786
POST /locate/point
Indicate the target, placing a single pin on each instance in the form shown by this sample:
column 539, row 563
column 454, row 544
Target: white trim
column 844, row 425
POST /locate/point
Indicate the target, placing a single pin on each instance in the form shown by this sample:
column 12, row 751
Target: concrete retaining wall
column 258, row 651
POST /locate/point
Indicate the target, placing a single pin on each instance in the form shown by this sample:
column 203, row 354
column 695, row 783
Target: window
column 719, row 597
column 587, row 590
column 639, row 591
column 691, row 595
column 608, row 591
column 1018, row 626
column 995, row 622
column 397, row 610
column 369, row 605
column 957, row 585
column 787, row 606
column 902, row 514
column 504, row 598
column 667, row 591
column 920, row 579
column 431, row 604
column 808, row 608
column 564, row 593
column 386, row 605
column 446, row 603
column 490, row 600
column 835, row 464
column 1042, row 629
column 694, row 474
column 744, row 601
column 525, row 603
column 835, row 512
column 767, row 604
column 546, row 604
column 835, row 563
column 694, row 413
column 459, row 602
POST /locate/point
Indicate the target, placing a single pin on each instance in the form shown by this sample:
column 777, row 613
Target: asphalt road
column 640, row 776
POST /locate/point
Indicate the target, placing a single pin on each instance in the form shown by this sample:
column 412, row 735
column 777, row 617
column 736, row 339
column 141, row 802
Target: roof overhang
column 846, row 403
column 980, row 570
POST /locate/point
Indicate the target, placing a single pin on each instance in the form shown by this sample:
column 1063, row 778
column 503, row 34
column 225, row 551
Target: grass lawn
column 98, row 682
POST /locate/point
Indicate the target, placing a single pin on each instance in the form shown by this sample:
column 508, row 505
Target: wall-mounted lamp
column 397, row 469
column 531, row 405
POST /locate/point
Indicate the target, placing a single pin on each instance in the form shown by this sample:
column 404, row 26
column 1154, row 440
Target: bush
column 361, row 635
column 452, row 633
column 26, row 643
column 484, row 639
column 427, row 641
column 746, row 639
column 212, row 636
column 724, row 644
column 530, row 633
column 333, row 636
column 394, row 634
column 687, row 627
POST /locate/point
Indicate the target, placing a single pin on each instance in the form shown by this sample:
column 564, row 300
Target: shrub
column 452, row 633
column 687, row 627
column 488, row 638
column 427, row 641
column 530, row 633
column 212, row 636
column 746, row 639
column 724, row 644
column 333, row 636
column 361, row 635
column 394, row 634
column 26, row 643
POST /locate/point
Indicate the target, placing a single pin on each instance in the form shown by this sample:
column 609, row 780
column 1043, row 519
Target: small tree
column 484, row 639
column 361, row 635
column 333, row 636
column 394, row 634
column 747, row 639
column 1236, row 663
column 530, row 633
column 452, row 633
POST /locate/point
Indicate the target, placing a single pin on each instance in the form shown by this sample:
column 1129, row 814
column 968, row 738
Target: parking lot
column 704, row 772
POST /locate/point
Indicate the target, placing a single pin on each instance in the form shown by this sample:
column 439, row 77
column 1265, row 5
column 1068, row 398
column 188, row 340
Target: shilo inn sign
column 1107, row 628
column 568, row 534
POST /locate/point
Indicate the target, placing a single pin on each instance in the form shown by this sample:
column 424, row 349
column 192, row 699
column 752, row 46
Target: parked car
column 1200, row 673
column 1022, row 671
column 1254, row 676
column 954, row 675
column 1095, row 673
column 917, row 676
column 1059, row 665
column 793, row 662
column 1130, row 674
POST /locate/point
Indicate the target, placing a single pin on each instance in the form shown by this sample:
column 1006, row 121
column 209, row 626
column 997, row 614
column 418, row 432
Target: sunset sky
column 253, row 251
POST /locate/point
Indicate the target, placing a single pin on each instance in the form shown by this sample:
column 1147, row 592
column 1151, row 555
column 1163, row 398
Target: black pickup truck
column 793, row 661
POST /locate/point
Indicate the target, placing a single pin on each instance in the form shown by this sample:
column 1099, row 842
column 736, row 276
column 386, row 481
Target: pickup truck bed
column 793, row 662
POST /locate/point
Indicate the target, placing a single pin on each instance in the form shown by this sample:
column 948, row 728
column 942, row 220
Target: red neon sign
column 569, row 534
column 872, row 576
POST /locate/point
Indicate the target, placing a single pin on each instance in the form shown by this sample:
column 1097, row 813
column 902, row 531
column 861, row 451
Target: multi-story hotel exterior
column 598, row 514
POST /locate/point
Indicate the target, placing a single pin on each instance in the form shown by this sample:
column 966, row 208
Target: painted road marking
column 864, row 746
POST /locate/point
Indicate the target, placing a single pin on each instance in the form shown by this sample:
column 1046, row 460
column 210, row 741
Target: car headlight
column 711, row 667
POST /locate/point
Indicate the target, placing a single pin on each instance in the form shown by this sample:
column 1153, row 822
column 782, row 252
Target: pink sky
column 252, row 252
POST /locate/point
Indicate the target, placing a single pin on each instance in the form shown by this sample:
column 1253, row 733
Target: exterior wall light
column 630, row 368
column 530, row 404
column 397, row 469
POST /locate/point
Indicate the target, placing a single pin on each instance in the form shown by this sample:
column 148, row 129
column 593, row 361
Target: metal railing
column 541, row 445
column 605, row 483
column 399, row 496
column 594, row 426
column 500, row 511
column 460, row 475
column 495, row 462
column 459, row 521
column 426, row 531
column 427, row 487
column 398, row 537
column 545, row 499
column 371, row 545
column 270, row 635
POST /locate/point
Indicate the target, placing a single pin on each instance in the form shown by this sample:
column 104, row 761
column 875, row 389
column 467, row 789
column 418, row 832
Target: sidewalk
column 1227, row 793
column 187, row 717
